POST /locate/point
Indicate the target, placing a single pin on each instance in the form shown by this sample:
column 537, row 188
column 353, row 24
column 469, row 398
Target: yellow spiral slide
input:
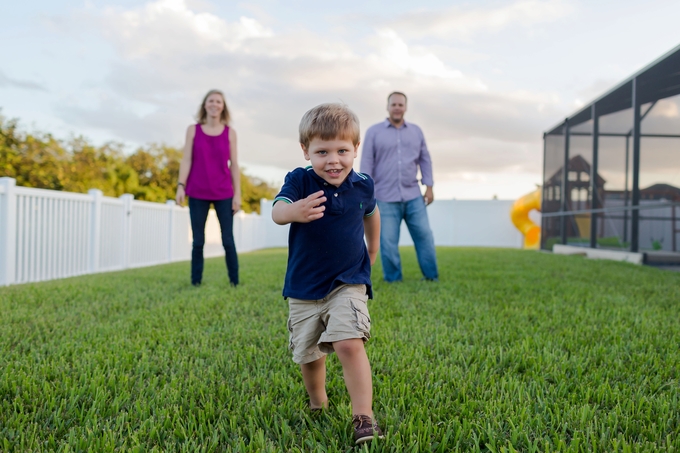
column 520, row 218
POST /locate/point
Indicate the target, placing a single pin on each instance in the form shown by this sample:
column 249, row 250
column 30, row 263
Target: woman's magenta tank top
column 210, row 177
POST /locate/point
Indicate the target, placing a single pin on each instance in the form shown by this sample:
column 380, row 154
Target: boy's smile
column 333, row 159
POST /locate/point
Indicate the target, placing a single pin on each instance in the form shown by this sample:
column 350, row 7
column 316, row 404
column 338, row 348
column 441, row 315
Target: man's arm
column 301, row 211
column 425, row 164
column 428, row 196
column 372, row 232
column 367, row 154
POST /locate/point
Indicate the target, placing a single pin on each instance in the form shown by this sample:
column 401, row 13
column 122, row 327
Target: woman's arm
column 185, row 165
column 235, row 171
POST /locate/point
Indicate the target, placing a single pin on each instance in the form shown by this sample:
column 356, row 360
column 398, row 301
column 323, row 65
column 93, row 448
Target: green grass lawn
column 511, row 351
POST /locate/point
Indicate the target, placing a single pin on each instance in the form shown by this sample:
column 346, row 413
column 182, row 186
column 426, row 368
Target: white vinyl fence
column 47, row 234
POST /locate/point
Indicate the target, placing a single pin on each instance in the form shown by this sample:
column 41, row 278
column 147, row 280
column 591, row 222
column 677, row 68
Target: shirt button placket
column 399, row 162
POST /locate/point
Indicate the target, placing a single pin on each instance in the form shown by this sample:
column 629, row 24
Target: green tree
column 157, row 168
column 34, row 160
column 150, row 173
column 96, row 168
column 10, row 158
column 252, row 191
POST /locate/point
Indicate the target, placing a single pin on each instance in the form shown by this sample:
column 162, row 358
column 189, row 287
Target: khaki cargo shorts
column 314, row 325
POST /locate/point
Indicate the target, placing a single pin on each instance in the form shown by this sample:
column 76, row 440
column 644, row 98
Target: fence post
column 267, row 222
column 127, row 228
column 8, row 232
column 171, row 227
column 95, row 229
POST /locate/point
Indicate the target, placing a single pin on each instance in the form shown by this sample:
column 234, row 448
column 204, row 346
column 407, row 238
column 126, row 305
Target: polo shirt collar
column 348, row 183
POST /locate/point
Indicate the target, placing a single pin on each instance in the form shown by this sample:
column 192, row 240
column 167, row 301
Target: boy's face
column 331, row 159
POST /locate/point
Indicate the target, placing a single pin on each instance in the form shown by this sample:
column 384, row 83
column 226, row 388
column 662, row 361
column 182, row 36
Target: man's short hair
column 396, row 92
column 328, row 122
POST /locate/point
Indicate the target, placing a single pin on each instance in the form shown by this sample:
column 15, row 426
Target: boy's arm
column 372, row 232
column 301, row 211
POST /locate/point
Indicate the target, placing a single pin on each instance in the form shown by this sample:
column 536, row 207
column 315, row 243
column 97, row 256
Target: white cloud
column 168, row 56
column 463, row 23
column 24, row 84
column 166, row 27
column 397, row 52
column 666, row 108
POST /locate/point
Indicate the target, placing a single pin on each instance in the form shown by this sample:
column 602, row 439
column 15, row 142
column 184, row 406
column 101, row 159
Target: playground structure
column 519, row 214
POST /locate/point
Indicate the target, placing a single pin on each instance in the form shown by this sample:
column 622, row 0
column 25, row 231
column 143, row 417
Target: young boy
column 328, row 279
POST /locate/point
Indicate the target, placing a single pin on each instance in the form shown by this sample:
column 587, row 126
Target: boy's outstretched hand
column 302, row 211
column 309, row 208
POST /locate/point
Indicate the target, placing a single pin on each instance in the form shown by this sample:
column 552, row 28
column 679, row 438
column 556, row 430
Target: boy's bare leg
column 357, row 372
column 314, row 377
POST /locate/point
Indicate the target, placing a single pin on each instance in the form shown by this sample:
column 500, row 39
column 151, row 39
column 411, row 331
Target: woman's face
column 214, row 105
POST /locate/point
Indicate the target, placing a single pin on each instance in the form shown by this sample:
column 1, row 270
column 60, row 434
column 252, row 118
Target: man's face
column 331, row 159
column 396, row 107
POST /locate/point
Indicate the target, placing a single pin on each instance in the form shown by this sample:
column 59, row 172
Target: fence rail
column 47, row 234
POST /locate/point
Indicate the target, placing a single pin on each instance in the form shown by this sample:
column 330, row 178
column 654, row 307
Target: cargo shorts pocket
column 291, row 344
column 363, row 320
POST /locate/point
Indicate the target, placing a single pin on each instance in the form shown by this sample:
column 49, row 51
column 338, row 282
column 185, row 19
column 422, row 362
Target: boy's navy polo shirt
column 329, row 251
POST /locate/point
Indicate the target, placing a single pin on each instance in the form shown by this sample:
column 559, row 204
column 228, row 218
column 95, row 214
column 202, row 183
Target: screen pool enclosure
column 611, row 171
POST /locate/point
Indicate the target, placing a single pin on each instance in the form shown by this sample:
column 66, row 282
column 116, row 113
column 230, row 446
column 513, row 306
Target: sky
column 484, row 79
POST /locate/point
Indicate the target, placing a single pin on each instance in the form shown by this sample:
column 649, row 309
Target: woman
column 208, row 174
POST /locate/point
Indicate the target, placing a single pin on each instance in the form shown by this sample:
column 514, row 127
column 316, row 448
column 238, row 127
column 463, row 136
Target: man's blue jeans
column 198, row 213
column 413, row 212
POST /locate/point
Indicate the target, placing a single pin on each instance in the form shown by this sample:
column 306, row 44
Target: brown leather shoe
column 365, row 429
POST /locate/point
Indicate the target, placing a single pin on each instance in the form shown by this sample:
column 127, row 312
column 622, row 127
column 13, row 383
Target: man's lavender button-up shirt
column 391, row 156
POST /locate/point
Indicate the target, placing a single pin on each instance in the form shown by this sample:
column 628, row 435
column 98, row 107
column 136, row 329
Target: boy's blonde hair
column 327, row 122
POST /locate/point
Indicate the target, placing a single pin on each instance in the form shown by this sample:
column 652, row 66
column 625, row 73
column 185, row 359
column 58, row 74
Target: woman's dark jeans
column 198, row 212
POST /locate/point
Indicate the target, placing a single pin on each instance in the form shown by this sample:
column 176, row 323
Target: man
column 392, row 153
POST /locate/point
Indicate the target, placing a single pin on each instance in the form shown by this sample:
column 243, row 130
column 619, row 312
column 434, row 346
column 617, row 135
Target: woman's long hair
column 202, row 115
